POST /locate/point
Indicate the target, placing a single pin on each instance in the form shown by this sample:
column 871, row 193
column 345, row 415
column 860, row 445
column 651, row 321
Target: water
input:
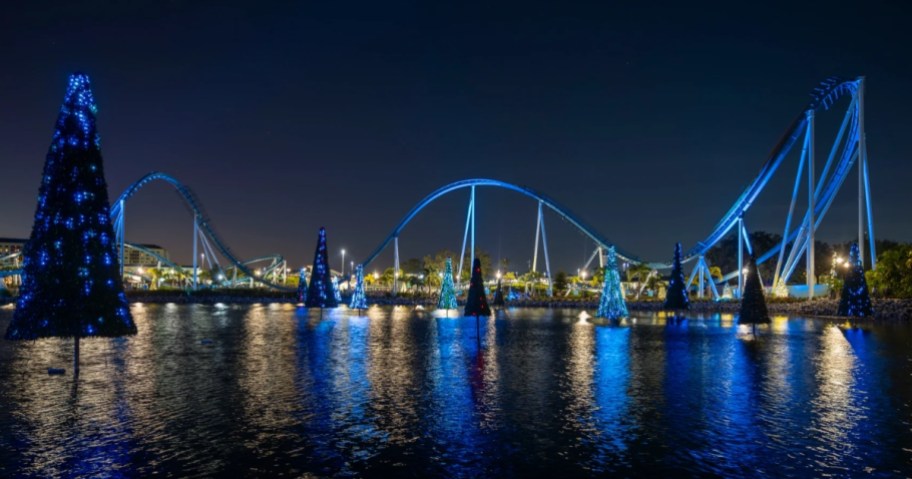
column 278, row 392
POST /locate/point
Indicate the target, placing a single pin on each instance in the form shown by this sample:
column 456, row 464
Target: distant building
column 10, row 246
column 137, row 257
column 132, row 256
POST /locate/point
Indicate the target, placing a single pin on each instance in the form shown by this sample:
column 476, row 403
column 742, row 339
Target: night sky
column 645, row 120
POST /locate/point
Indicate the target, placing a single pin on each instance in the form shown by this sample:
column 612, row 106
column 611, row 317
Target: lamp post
column 343, row 262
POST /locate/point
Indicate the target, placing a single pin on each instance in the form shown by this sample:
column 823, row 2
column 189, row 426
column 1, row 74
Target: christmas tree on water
column 320, row 293
column 302, row 286
column 612, row 305
column 71, row 284
column 855, row 300
column 676, row 297
column 753, row 304
column 358, row 299
column 476, row 301
column 447, row 288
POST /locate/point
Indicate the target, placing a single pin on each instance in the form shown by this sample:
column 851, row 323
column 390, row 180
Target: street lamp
column 498, row 274
column 343, row 262
column 583, row 275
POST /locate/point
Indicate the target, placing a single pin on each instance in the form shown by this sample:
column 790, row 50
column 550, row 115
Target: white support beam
column 811, row 198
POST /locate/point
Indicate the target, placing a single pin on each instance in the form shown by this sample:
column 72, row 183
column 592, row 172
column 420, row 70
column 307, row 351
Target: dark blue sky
column 645, row 119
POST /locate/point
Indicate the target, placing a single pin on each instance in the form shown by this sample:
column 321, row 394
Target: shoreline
column 885, row 309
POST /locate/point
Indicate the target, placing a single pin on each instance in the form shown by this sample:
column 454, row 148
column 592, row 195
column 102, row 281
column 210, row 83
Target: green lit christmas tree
column 359, row 299
column 71, row 284
column 612, row 305
column 447, row 298
column 753, row 304
column 855, row 300
column 320, row 292
column 676, row 297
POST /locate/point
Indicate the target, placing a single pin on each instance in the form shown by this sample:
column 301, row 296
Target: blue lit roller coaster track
column 824, row 98
column 563, row 212
column 196, row 209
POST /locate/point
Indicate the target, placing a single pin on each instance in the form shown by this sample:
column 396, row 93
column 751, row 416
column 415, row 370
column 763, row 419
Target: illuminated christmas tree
column 320, row 292
column 676, row 297
column 71, row 284
column 612, row 305
column 855, row 300
column 336, row 293
column 753, row 304
column 358, row 299
column 476, row 301
column 302, row 285
column 447, row 288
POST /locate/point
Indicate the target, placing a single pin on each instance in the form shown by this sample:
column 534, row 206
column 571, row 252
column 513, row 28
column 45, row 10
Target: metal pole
column 395, row 264
column 788, row 219
column 811, row 194
column 195, row 241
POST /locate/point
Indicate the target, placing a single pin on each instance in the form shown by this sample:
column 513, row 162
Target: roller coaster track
column 202, row 219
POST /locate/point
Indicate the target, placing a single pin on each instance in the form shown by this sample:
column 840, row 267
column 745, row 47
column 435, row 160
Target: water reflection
column 279, row 390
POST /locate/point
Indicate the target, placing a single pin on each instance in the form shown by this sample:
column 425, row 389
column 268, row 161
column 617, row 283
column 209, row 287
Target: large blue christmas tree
column 612, row 305
column 71, row 284
column 320, row 292
column 359, row 299
column 855, row 300
column 676, row 297
column 447, row 298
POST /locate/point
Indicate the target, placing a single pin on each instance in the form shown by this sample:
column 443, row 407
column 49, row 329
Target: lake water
column 276, row 391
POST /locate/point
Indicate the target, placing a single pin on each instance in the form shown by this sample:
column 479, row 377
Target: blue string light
column 71, row 283
column 612, row 305
column 359, row 299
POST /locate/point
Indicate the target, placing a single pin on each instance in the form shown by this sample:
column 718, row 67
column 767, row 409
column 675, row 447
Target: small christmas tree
column 336, row 293
column 447, row 288
column 855, row 300
column 476, row 301
column 676, row 297
column 612, row 305
column 71, row 284
column 358, row 299
column 302, row 285
column 498, row 295
column 753, row 304
column 320, row 292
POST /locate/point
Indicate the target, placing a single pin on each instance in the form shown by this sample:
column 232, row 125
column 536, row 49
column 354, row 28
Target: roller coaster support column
column 195, row 265
column 470, row 224
column 395, row 265
column 864, row 189
column 702, row 279
column 810, row 273
column 544, row 238
column 740, row 256
column 120, row 234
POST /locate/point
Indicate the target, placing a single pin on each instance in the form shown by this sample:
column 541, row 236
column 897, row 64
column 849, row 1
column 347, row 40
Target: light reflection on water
column 279, row 391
